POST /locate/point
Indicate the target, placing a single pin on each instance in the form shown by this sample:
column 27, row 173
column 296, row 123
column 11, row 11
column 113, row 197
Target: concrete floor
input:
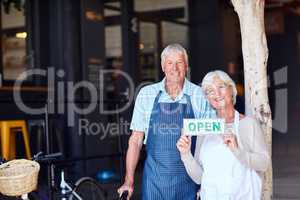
column 286, row 168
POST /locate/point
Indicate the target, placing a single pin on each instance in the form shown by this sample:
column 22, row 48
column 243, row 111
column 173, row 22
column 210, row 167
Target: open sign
column 203, row 126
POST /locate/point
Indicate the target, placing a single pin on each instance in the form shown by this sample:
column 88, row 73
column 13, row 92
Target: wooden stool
column 8, row 142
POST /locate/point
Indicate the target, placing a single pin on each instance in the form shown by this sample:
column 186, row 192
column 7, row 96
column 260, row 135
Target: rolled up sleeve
column 138, row 121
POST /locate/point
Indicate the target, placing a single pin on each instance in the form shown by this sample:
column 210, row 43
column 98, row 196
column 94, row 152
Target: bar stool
column 8, row 142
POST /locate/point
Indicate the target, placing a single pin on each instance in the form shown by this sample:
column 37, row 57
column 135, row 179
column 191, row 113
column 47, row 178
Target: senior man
column 157, row 120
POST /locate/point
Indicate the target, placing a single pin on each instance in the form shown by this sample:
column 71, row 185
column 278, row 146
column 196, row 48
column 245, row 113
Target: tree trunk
column 255, row 55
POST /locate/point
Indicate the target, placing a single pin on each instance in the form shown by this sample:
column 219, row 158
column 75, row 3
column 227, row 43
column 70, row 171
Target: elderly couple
column 227, row 166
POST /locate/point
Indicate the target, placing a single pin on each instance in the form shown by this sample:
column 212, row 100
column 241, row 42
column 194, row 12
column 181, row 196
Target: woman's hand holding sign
column 184, row 144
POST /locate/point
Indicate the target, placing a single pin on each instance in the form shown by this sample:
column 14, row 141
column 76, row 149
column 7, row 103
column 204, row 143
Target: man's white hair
column 173, row 48
column 223, row 76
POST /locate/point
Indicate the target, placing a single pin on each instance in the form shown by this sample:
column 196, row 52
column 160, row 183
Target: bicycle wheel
column 88, row 189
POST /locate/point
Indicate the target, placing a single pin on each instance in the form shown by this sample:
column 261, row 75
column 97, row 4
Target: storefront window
column 16, row 57
column 299, row 47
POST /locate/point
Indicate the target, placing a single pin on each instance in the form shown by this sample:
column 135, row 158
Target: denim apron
column 165, row 177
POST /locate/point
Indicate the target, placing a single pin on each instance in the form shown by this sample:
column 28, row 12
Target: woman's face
column 219, row 94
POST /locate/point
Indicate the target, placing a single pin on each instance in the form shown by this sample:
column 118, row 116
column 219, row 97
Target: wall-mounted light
column 142, row 46
column 21, row 35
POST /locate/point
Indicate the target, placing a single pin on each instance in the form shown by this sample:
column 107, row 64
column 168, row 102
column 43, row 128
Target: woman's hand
column 230, row 141
column 184, row 144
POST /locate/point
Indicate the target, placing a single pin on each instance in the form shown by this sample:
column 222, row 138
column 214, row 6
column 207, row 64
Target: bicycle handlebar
column 2, row 160
column 124, row 195
column 39, row 157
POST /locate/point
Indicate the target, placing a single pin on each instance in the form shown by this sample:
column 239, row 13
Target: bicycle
column 87, row 184
column 86, row 188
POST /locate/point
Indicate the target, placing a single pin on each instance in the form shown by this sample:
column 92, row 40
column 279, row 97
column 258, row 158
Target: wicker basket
column 18, row 177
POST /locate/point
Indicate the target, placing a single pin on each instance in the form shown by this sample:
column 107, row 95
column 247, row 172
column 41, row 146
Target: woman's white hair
column 223, row 76
column 173, row 48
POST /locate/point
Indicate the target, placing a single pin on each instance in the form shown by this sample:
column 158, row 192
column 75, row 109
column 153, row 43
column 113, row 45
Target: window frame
column 32, row 44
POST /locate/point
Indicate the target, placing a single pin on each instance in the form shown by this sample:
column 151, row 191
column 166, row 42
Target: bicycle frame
column 64, row 185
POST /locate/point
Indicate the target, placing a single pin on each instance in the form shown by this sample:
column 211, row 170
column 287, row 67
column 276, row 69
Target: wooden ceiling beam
column 170, row 14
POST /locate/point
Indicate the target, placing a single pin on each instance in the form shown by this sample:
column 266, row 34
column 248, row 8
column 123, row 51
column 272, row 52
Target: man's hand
column 126, row 187
column 135, row 144
column 184, row 144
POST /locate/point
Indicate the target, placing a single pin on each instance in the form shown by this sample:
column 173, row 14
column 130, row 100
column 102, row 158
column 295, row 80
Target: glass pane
column 148, row 52
column 14, row 43
column 162, row 22
column 113, row 48
column 299, row 47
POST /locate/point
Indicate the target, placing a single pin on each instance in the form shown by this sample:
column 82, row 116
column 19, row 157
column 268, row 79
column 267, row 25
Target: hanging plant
column 17, row 4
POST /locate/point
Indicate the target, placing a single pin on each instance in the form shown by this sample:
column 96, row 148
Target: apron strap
column 189, row 105
column 189, row 109
column 157, row 98
column 236, row 122
column 155, row 104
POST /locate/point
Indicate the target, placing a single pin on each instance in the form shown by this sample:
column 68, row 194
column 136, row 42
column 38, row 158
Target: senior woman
column 227, row 166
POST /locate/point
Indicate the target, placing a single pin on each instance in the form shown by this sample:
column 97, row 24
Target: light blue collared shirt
column 145, row 100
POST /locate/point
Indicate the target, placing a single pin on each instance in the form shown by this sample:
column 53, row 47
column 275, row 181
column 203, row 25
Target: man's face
column 175, row 67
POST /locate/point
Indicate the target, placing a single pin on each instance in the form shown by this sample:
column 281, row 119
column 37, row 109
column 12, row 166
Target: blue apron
column 165, row 177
